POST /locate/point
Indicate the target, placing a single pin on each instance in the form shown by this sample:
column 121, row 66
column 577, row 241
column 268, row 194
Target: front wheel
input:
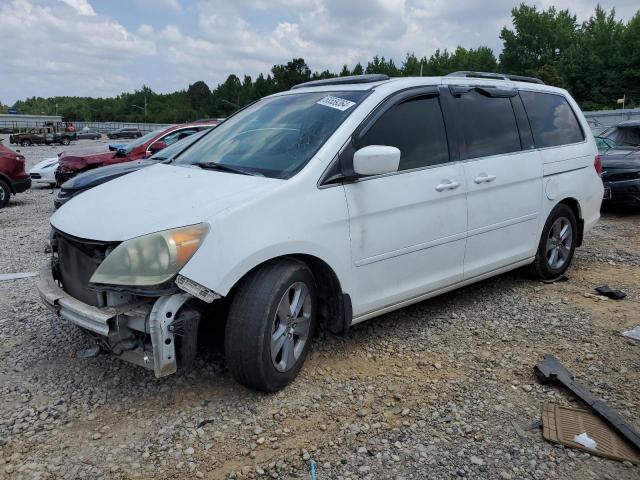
column 270, row 325
column 557, row 244
column 5, row 193
column 25, row 143
column 65, row 141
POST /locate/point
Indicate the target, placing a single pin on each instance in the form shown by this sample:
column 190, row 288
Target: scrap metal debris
column 582, row 430
column 552, row 370
column 610, row 293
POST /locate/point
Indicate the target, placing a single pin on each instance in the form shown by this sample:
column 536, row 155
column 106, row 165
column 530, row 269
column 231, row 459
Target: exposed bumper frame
column 111, row 322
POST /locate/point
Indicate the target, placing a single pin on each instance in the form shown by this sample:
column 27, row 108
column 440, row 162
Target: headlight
column 151, row 259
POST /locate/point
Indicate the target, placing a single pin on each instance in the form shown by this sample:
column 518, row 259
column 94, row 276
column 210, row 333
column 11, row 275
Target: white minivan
column 329, row 204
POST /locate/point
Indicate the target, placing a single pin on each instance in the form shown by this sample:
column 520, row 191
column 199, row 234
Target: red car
column 13, row 178
column 72, row 163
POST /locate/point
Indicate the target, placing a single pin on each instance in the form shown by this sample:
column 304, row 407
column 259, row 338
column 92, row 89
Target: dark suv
column 13, row 178
column 125, row 133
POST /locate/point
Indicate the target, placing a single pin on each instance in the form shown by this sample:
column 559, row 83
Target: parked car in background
column 97, row 176
column 125, row 133
column 13, row 178
column 44, row 172
column 619, row 147
column 333, row 203
column 89, row 135
column 72, row 163
column 625, row 133
column 44, row 135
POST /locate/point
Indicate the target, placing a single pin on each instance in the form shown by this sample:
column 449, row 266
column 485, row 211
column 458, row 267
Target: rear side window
column 552, row 120
column 416, row 128
column 488, row 125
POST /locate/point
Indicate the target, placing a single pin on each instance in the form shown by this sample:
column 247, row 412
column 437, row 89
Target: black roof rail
column 495, row 76
column 351, row 79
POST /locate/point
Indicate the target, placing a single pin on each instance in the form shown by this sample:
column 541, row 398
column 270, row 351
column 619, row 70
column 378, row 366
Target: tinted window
column 552, row 119
column 488, row 124
column 416, row 128
column 178, row 135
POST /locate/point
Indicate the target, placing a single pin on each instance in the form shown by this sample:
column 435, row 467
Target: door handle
column 484, row 178
column 447, row 185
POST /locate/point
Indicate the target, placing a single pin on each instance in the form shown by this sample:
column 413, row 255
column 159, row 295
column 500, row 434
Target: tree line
column 598, row 61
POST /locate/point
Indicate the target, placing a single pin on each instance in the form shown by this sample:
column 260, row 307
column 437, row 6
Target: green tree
column 199, row 96
column 293, row 73
column 538, row 40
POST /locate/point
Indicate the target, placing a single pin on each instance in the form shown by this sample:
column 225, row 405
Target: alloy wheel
column 291, row 326
column 559, row 243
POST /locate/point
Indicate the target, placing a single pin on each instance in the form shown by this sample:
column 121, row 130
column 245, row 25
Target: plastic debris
column 312, row 469
column 634, row 333
column 88, row 352
column 610, row 293
column 586, row 441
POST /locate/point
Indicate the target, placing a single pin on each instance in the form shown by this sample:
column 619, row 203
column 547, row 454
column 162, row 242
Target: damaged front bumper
column 143, row 333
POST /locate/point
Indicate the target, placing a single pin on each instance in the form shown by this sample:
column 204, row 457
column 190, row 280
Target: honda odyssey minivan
column 329, row 204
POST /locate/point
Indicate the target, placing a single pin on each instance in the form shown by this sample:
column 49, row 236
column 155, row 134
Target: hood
column 154, row 199
column 98, row 176
column 73, row 162
column 621, row 159
column 46, row 163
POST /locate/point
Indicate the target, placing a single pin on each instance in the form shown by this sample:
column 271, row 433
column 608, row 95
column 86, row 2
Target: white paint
column 46, row 169
column 376, row 160
column 391, row 239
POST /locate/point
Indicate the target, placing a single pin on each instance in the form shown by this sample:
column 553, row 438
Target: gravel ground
column 442, row 389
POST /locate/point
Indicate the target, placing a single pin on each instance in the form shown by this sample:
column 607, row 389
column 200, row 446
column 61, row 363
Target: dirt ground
column 441, row 389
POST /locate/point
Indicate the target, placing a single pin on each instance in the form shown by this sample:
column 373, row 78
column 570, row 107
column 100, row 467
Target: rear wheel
column 25, row 143
column 65, row 141
column 270, row 325
column 5, row 194
column 557, row 244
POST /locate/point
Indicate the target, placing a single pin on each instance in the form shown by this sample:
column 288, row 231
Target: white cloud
column 62, row 47
column 83, row 7
column 172, row 5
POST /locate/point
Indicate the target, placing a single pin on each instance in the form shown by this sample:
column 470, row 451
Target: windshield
column 175, row 149
column 276, row 136
column 141, row 141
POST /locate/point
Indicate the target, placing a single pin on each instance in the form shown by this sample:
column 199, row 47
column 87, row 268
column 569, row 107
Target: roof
column 377, row 81
column 628, row 123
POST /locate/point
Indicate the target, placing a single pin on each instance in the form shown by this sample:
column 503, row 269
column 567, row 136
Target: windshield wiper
column 225, row 168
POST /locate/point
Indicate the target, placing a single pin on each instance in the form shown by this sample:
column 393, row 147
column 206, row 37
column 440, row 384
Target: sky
column 106, row 47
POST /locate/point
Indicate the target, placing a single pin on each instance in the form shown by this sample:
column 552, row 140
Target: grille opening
column 76, row 262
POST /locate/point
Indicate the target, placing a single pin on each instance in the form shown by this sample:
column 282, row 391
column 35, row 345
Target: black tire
column 5, row 194
column 25, row 143
column 65, row 141
column 543, row 267
column 253, row 319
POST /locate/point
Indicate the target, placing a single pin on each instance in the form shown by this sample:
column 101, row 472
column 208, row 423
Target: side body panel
column 407, row 237
column 504, row 213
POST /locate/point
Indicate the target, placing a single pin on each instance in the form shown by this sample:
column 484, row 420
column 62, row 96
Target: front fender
column 229, row 274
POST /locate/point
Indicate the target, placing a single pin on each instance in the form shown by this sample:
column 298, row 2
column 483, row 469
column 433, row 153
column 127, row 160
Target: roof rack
column 351, row 79
column 495, row 76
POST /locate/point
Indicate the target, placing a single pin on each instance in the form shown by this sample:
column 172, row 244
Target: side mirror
column 376, row 160
column 157, row 146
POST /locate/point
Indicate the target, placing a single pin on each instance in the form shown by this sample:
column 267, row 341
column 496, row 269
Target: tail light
column 597, row 164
